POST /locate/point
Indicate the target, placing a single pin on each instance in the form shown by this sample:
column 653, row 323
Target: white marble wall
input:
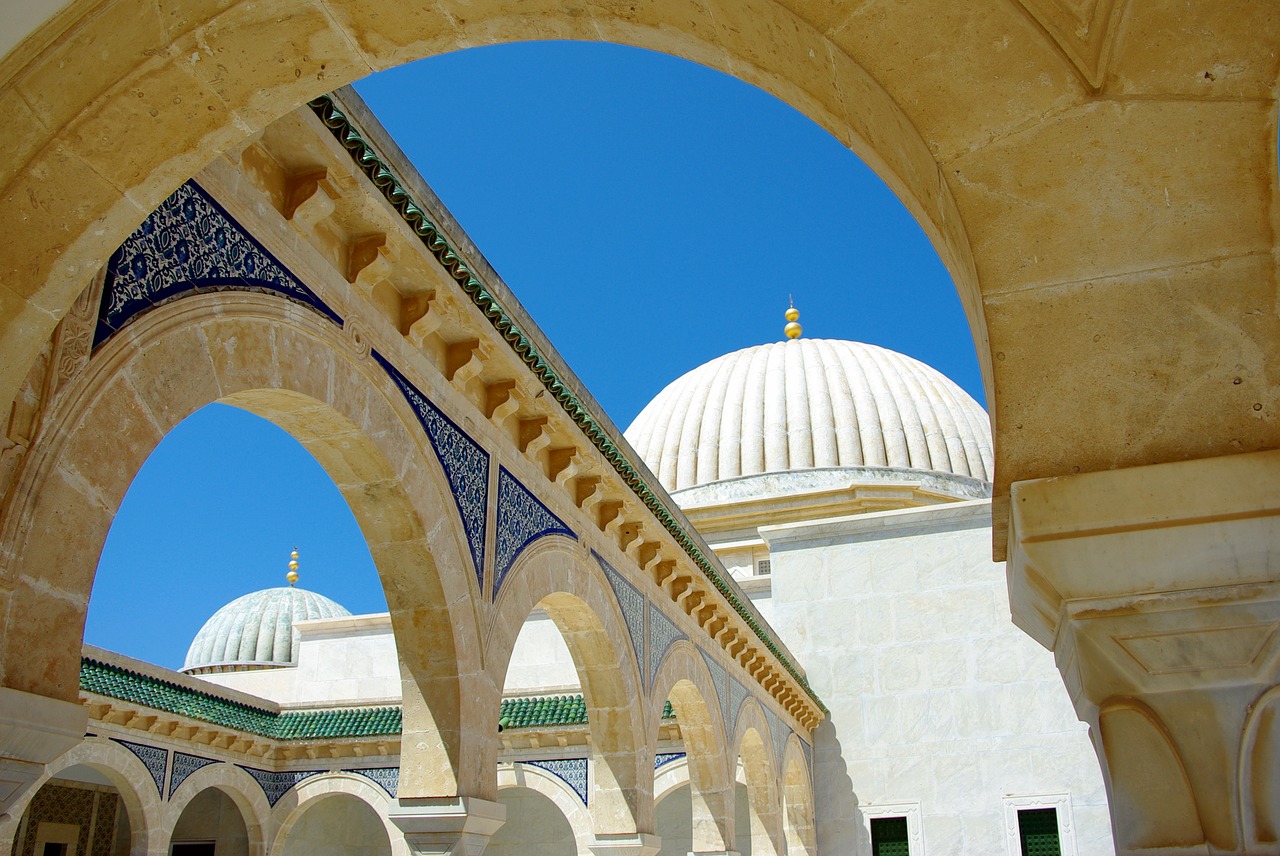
column 902, row 623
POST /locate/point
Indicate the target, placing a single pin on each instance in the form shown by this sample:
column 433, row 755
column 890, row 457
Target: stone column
column 1158, row 590
column 626, row 844
column 34, row 730
column 448, row 826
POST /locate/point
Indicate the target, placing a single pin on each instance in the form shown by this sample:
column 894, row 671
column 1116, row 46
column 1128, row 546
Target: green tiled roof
column 136, row 688
column 125, row 685
column 550, row 711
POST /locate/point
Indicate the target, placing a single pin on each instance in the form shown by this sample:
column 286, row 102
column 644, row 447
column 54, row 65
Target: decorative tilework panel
column 719, row 677
column 779, row 730
column 737, row 695
column 807, row 748
column 662, row 632
column 572, row 771
column 183, row 766
column 104, row 827
column 157, row 760
column 631, row 602
column 664, row 758
column 276, row 785
column 190, row 244
column 62, row 804
column 522, row 519
column 388, row 778
column 465, row 464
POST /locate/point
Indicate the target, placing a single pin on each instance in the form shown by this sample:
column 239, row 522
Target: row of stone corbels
column 392, row 272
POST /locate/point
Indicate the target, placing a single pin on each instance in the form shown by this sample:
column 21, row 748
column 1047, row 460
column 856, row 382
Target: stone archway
column 254, row 352
column 128, row 775
column 797, row 801
column 754, row 751
column 556, row 577
column 684, row 679
column 216, row 801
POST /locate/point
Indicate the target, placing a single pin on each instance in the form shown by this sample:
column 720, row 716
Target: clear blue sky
column 651, row 215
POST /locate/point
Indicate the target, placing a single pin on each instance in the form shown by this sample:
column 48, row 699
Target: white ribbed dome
column 256, row 630
column 810, row 403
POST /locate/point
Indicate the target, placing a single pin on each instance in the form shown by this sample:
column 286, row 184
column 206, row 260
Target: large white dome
column 810, row 403
column 256, row 630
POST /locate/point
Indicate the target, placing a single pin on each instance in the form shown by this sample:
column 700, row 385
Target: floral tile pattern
column 664, row 758
column 572, row 771
column 737, row 695
column 387, row 778
column 183, row 766
column 719, row 677
column 662, row 633
column 779, row 731
column 156, row 760
column 276, row 785
column 522, row 519
column 465, row 464
column 632, row 603
column 188, row 245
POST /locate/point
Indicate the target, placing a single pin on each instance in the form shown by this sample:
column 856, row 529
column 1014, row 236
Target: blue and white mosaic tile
column 190, row 244
column 737, row 695
column 276, row 785
column 779, row 731
column 522, row 519
column 183, row 766
column 662, row 633
column 388, row 778
column 155, row 759
column 662, row 759
column 719, row 677
column 465, row 464
column 572, row 771
column 632, row 603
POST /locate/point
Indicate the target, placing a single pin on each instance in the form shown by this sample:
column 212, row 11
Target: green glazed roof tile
column 119, row 683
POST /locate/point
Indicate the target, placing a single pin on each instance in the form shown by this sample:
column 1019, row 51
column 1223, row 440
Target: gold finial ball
column 793, row 330
column 793, row 314
column 292, row 577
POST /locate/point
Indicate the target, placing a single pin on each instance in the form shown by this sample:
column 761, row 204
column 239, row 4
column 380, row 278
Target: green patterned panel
column 889, row 836
column 1038, row 831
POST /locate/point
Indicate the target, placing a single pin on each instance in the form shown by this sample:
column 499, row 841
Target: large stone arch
column 799, row 819
column 282, row 59
column 298, row 370
column 238, row 786
column 753, row 747
column 555, row 575
column 127, row 774
column 555, row 789
column 311, row 792
column 684, row 679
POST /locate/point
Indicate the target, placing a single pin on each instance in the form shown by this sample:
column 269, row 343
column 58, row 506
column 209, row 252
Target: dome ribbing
column 256, row 630
column 810, row 403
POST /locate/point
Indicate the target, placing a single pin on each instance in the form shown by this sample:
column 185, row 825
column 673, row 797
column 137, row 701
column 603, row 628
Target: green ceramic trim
column 119, row 683
column 391, row 188
column 125, row 685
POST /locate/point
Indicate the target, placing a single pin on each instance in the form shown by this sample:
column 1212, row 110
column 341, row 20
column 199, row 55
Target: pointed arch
column 799, row 818
column 753, row 749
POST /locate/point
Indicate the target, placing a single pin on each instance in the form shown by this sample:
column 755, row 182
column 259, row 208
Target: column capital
column 447, row 826
column 626, row 844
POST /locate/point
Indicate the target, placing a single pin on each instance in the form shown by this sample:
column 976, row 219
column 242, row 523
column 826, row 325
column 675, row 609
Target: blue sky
column 650, row 214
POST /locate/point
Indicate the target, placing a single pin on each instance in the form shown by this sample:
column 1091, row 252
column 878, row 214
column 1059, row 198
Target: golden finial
column 793, row 328
column 292, row 576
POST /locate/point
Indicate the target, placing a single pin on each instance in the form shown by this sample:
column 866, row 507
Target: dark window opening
column 1038, row 832
column 889, row 836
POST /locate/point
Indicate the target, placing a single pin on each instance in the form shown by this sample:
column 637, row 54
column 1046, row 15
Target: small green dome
column 256, row 630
